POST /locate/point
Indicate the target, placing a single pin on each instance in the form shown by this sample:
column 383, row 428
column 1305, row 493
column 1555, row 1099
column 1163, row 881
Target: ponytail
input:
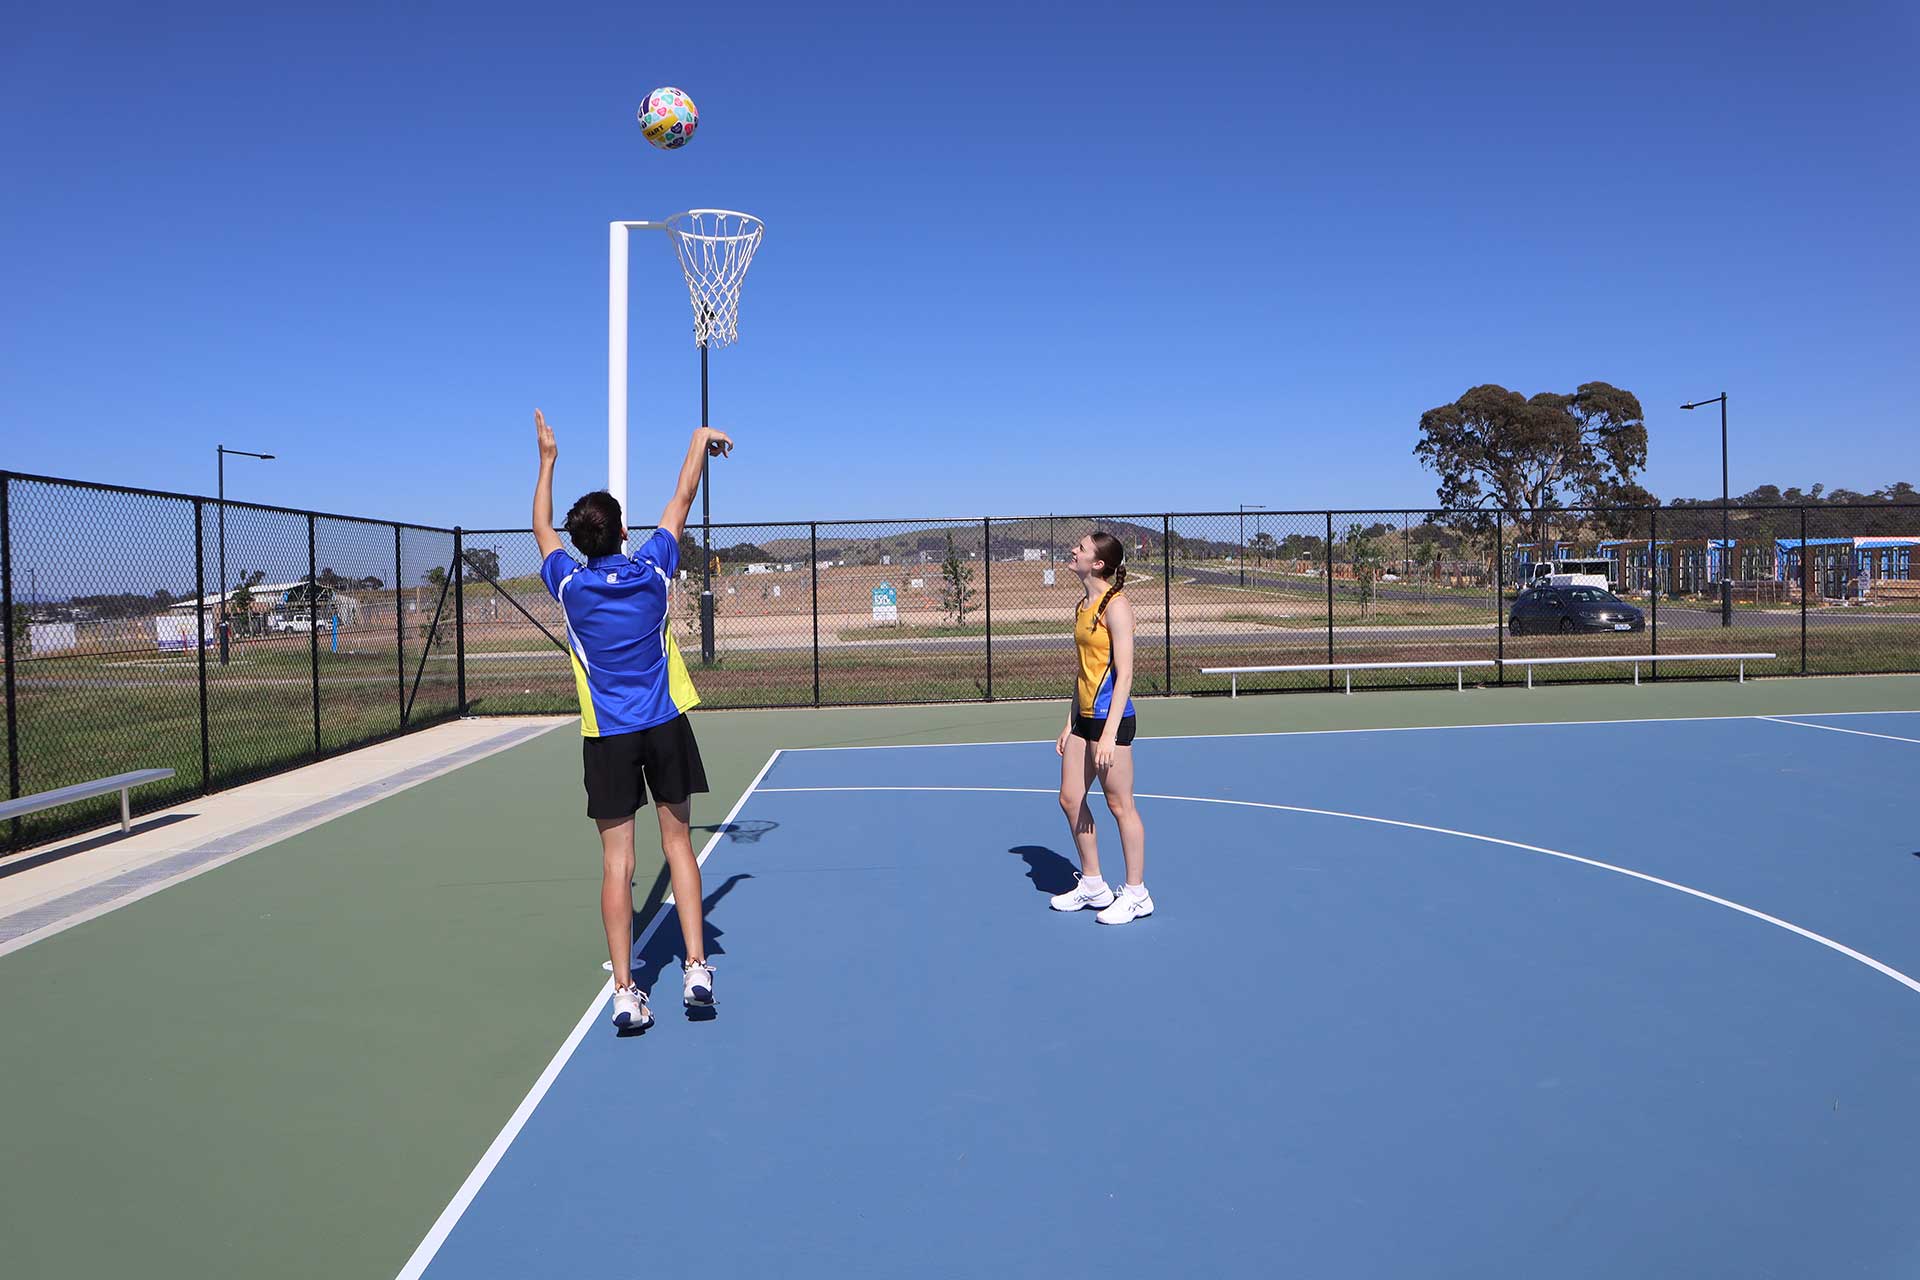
column 1119, row 581
column 1114, row 554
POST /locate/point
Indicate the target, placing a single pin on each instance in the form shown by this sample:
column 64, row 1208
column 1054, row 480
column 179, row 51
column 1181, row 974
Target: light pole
column 1726, row 545
column 220, row 461
column 706, row 525
column 1244, row 508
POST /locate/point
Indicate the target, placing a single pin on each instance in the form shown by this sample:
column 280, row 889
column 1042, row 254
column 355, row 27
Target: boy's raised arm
column 543, row 533
column 706, row 440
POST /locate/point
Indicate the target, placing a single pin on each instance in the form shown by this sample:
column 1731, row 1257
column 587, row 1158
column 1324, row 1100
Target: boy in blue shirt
column 634, row 698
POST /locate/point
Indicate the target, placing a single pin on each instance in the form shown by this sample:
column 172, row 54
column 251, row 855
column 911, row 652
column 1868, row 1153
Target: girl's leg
column 677, row 844
column 1117, row 785
column 616, row 894
column 1076, row 767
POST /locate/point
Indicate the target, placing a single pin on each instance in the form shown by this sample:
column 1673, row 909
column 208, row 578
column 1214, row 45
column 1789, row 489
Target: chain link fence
column 123, row 652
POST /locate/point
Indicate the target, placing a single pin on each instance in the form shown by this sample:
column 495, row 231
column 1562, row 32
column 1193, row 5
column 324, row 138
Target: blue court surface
column 1574, row 1000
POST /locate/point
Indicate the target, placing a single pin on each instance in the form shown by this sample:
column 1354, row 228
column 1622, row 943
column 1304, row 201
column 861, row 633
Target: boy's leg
column 616, row 894
column 676, row 842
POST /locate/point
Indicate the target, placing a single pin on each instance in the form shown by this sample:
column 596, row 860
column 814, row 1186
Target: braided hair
column 1112, row 553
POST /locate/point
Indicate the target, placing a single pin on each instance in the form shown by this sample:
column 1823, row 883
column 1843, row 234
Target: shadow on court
column 1049, row 872
column 666, row 950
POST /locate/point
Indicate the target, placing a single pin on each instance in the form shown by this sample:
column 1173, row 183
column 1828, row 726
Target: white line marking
column 1834, row 728
column 1312, row 733
column 450, row 1216
column 1912, row 984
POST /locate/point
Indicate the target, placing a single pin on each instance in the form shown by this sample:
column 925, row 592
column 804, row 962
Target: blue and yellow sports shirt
column 626, row 666
column 1093, row 689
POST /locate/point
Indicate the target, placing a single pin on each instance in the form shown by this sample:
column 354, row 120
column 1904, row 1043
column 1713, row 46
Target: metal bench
column 121, row 782
column 1637, row 658
column 1460, row 666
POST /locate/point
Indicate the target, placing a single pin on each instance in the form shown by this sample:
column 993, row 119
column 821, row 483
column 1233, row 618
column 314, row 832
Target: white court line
column 450, row 1216
column 1910, row 983
column 1834, row 728
column 1314, row 733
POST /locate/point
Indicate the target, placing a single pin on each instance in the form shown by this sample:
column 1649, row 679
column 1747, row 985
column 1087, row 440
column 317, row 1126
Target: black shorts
column 621, row 767
column 1092, row 729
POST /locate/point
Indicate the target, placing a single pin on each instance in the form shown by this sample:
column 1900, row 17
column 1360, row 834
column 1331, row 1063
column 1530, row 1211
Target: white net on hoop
column 715, row 247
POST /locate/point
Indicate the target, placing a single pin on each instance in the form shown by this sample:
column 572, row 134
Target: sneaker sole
column 1141, row 916
column 1097, row 906
column 626, row 1023
column 699, row 1002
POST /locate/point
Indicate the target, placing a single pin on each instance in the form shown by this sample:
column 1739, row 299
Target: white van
column 1574, row 573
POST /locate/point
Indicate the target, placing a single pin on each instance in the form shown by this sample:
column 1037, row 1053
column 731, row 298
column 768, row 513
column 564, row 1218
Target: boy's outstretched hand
column 543, row 534
column 548, row 449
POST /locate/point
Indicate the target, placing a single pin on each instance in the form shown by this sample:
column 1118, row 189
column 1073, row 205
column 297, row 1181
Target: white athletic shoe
column 1130, row 904
column 698, row 981
column 1085, row 893
column 630, row 1011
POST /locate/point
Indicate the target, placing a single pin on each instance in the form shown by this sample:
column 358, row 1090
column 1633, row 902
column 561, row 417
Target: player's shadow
column 1049, row 872
column 665, row 951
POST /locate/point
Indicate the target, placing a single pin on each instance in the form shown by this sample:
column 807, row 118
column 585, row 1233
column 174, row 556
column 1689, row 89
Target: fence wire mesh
column 428, row 571
column 229, row 641
column 903, row 611
column 101, row 681
column 516, row 655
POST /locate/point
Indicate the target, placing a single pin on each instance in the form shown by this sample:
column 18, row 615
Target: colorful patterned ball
column 668, row 118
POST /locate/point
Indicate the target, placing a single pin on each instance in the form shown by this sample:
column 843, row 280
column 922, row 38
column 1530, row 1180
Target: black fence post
column 1806, row 579
column 200, row 628
column 313, row 630
column 6, row 611
column 460, row 619
column 400, row 626
column 986, row 561
column 1653, row 586
column 1329, row 568
column 1166, row 587
column 1499, row 598
column 813, row 563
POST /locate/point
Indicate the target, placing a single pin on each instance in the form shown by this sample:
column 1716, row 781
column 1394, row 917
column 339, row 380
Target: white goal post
column 715, row 247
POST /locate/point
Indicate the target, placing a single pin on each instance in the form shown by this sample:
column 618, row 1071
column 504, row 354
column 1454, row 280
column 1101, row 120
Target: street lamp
column 1244, row 508
column 220, row 455
column 1726, row 545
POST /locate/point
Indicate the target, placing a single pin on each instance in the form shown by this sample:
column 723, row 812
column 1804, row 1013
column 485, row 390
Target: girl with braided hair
column 1098, row 739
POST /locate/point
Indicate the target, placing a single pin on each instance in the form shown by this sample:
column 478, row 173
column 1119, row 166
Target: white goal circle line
column 1841, row 948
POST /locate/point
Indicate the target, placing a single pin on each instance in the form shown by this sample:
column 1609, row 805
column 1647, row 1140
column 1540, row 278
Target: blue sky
column 1019, row 258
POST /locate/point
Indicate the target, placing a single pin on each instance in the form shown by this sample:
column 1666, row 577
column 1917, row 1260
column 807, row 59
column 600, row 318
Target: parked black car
column 1569, row 609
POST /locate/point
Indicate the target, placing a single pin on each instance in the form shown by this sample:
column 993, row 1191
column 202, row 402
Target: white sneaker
column 630, row 1011
column 1131, row 903
column 1085, row 893
column 697, row 976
